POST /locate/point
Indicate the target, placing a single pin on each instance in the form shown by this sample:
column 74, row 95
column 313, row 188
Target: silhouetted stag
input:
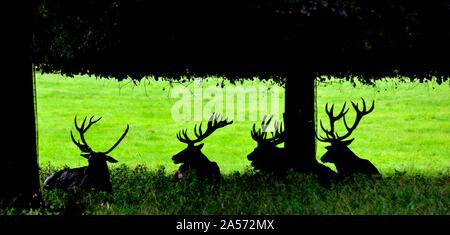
column 95, row 174
column 346, row 162
column 192, row 159
column 267, row 157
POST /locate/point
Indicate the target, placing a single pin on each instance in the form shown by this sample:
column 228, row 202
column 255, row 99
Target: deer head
column 193, row 152
column 94, row 158
column 266, row 156
column 338, row 150
column 265, row 144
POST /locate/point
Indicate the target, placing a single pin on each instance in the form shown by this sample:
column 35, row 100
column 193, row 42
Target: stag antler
column 118, row 141
column 83, row 146
column 359, row 115
column 215, row 122
column 260, row 136
column 331, row 135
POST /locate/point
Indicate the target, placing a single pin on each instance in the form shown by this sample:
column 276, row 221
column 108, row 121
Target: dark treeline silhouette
column 242, row 38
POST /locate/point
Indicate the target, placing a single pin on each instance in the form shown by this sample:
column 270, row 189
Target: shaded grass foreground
column 140, row 191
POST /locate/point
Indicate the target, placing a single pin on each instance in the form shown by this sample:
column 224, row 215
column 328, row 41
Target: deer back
column 65, row 179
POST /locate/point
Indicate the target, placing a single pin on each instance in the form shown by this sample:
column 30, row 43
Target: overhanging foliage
column 238, row 39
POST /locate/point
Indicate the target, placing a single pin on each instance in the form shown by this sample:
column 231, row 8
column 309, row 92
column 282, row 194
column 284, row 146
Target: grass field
column 409, row 130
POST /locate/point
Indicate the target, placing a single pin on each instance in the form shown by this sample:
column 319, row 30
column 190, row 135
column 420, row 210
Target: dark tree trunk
column 20, row 180
column 299, row 119
column 19, row 174
column 300, row 124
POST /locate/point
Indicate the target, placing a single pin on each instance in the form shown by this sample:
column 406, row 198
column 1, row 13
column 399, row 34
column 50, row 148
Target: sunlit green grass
column 409, row 129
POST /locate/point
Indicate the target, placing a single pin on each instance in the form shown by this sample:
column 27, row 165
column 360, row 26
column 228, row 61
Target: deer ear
column 200, row 146
column 111, row 159
column 348, row 142
column 85, row 155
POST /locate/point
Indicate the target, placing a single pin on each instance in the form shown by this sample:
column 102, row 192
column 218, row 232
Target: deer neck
column 200, row 159
column 348, row 155
column 97, row 175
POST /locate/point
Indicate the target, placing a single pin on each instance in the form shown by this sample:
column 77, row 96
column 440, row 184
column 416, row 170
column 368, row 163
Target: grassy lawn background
column 409, row 129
